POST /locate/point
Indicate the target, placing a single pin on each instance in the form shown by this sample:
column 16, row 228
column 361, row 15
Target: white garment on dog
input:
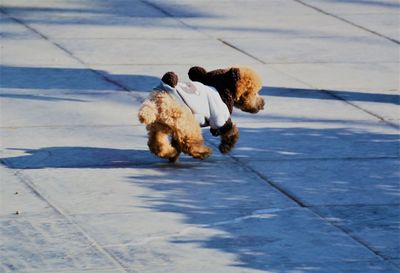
column 204, row 102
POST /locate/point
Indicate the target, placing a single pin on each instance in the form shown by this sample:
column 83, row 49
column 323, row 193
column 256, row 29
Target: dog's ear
column 197, row 73
column 170, row 78
column 234, row 73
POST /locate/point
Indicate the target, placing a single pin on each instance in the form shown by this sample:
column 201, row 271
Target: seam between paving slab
column 30, row 184
column 344, row 100
column 312, row 209
column 140, row 98
column 69, row 53
column 118, row 84
column 394, row 125
column 168, row 14
column 93, row 243
column 320, row 10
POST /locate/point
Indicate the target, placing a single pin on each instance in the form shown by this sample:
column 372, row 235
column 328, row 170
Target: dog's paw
column 225, row 148
column 174, row 158
column 228, row 140
column 201, row 153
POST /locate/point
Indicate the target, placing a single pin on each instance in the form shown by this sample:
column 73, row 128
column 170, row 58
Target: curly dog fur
column 165, row 118
column 172, row 128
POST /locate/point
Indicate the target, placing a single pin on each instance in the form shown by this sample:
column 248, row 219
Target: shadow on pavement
column 35, row 97
column 99, row 12
column 79, row 157
column 276, row 144
column 75, row 79
column 212, row 196
column 331, row 95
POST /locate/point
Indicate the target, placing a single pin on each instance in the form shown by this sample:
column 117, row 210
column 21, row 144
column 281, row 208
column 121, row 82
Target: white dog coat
column 204, row 102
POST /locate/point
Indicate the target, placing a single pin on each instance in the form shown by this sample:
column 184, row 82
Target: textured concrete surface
column 312, row 186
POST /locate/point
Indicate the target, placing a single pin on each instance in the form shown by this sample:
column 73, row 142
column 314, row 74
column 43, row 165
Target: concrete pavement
column 312, row 186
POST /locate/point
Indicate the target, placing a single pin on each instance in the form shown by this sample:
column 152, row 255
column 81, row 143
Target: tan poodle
column 175, row 112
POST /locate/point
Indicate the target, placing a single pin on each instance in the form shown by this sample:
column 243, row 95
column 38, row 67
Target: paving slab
column 289, row 19
column 378, row 16
column 107, row 52
column 47, row 244
column 13, row 30
column 352, row 77
column 335, row 181
column 110, row 19
column 396, row 262
column 256, row 243
column 73, row 139
column 333, row 49
column 140, row 183
column 373, row 86
column 71, row 109
column 378, row 226
column 63, row 11
column 306, row 105
column 145, row 77
column 100, row 26
column 386, row 24
column 24, row 52
column 312, row 186
column 17, row 197
column 302, row 143
column 351, row 7
column 53, row 79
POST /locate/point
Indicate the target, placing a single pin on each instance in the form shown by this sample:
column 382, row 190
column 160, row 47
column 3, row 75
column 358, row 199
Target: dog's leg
column 177, row 147
column 159, row 143
column 197, row 149
column 186, row 133
column 229, row 139
column 192, row 143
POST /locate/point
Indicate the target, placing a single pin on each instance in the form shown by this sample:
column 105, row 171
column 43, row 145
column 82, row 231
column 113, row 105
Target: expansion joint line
column 380, row 118
column 31, row 186
column 348, row 21
column 327, row 92
column 66, row 51
column 303, row 205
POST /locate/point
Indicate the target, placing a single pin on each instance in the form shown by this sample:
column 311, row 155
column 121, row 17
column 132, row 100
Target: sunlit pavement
column 312, row 185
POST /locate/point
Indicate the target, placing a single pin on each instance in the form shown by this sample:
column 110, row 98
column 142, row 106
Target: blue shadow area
column 331, row 95
column 48, row 78
column 99, row 12
column 276, row 144
column 79, row 157
column 75, row 79
column 207, row 196
column 37, row 97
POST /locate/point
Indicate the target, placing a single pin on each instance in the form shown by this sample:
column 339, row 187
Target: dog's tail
column 147, row 112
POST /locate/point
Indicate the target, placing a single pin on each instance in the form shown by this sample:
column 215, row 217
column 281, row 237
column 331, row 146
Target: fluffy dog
column 175, row 112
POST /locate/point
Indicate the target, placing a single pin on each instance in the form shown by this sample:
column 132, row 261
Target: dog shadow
column 79, row 157
column 90, row 157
